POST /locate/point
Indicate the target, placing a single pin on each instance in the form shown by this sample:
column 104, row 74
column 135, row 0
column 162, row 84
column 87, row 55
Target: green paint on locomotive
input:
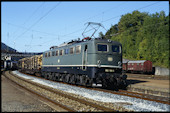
column 92, row 53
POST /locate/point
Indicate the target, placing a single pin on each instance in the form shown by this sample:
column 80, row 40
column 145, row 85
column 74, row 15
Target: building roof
column 137, row 61
column 125, row 61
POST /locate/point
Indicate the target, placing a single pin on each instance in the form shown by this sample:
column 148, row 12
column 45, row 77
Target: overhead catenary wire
column 87, row 19
column 82, row 28
column 136, row 9
column 39, row 19
column 19, row 26
column 30, row 17
column 115, row 17
column 97, row 14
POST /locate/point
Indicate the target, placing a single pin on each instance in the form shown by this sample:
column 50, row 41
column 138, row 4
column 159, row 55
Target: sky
column 36, row 26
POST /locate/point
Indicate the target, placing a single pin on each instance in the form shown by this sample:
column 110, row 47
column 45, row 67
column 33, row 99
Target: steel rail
column 99, row 107
column 41, row 96
column 137, row 95
column 125, row 93
column 147, row 97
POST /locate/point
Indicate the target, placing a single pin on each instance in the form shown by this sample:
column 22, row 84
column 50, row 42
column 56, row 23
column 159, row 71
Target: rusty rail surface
column 41, row 96
column 99, row 107
column 164, row 100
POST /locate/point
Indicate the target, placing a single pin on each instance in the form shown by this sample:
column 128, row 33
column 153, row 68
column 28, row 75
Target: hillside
column 143, row 36
column 5, row 47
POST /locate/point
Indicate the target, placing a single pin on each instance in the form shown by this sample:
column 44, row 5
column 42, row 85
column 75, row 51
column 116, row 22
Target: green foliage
column 143, row 36
column 101, row 34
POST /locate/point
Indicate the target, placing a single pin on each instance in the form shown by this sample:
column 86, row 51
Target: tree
column 101, row 35
column 143, row 36
column 112, row 31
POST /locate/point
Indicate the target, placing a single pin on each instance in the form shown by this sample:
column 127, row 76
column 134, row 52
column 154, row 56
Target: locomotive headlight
column 109, row 70
column 106, row 70
column 112, row 70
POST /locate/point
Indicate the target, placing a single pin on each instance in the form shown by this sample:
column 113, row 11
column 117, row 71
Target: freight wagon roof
column 125, row 60
column 137, row 61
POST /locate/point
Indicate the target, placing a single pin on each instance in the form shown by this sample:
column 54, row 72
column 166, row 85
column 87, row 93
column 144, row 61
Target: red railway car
column 142, row 66
column 124, row 66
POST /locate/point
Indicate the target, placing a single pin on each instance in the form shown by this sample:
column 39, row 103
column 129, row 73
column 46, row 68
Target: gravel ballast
column 109, row 99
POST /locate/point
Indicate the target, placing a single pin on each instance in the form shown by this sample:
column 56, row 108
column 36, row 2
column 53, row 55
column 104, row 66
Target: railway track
column 159, row 99
column 64, row 100
column 163, row 100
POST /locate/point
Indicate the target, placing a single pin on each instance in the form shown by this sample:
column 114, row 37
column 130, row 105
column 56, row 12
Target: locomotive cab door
column 84, row 58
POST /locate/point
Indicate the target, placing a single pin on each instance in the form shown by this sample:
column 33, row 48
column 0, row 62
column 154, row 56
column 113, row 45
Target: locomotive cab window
column 66, row 51
column 53, row 53
column 61, row 52
column 78, row 49
column 102, row 47
column 71, row 50
column 46, row 54
column 116, row 49
column 57, row 53
column 49, row 54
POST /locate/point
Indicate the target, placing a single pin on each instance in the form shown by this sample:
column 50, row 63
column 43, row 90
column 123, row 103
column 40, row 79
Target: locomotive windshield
column 115, row 48
column 105, row 48
column 102, row 47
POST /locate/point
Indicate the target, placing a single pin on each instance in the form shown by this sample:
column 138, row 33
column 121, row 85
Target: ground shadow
column 130, row 81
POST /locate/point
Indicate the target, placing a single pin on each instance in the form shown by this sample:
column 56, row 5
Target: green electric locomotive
column 86, row 62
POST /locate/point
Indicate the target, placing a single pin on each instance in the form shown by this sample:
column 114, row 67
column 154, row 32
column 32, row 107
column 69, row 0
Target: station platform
column 157, row 87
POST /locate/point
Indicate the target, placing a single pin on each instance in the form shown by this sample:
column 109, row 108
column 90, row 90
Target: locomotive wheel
column 63, row 77
column 77, row 79
column 104, row 84
column 89, row 82
column 112, row 84
column 67, row 78
column 45, row 75
column 59, row 77
column 83, row 80
column 72, row 79
column 52, row 76
column 123, row 84
column 42, row 74
column 56, row 76
column 49, row 76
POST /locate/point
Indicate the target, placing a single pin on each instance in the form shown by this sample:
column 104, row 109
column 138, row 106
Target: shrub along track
column 63, row 99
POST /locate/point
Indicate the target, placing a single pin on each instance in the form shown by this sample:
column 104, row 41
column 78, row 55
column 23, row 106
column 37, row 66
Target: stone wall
column 162, row 71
